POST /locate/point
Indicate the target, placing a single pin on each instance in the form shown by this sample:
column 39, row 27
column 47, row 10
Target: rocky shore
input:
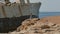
column 39, row 26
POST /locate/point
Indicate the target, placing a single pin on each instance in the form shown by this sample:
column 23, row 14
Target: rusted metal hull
column 12, row 16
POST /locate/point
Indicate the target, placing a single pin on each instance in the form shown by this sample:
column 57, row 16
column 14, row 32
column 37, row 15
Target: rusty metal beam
column 4, row 12
column 28, row 1
column 20, row 9
column 22, row 2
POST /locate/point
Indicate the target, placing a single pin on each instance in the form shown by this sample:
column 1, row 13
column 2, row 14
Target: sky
column 48, row 5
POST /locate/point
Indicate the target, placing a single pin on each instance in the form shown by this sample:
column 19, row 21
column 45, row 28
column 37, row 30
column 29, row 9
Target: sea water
column 46, row 14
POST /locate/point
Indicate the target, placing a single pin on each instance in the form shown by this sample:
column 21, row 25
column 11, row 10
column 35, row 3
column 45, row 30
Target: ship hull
column 14, row 15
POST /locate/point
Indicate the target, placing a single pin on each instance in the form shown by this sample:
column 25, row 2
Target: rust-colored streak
column 20, row 10
column 22, row 2
column 4, row 12
column 28, row 1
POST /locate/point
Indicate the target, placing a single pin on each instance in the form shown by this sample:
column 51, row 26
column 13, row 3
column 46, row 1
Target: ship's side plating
column 12, row 15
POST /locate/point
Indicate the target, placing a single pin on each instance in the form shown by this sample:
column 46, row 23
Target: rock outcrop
column 39, row 26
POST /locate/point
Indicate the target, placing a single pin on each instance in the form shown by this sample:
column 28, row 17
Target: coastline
column 46, row 14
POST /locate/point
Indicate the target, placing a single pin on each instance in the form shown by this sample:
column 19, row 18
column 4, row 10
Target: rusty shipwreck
column 12, row 14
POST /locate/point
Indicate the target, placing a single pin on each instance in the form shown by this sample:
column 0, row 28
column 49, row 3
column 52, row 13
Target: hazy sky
column 48, row 5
